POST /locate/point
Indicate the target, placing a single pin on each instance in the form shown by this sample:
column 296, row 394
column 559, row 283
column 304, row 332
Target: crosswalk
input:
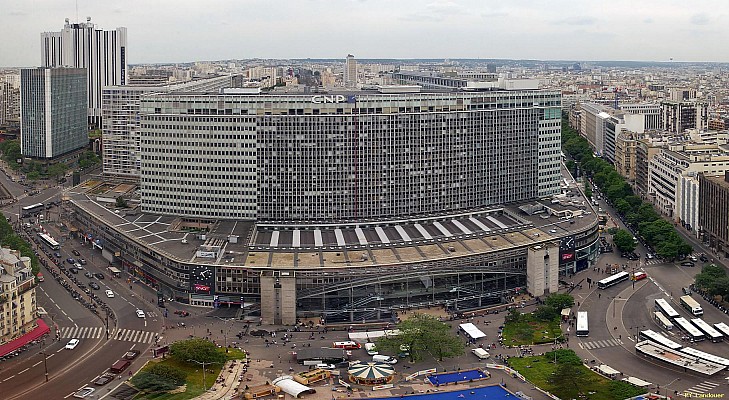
column 598, row 344
column 125, row 335
column 703, row 387
column 655, row 261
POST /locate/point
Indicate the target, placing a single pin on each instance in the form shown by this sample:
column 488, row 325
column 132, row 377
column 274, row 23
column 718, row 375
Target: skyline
column 185, row 31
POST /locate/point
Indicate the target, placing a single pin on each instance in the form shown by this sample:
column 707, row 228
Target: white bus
column 705, row 356
column 662, row 320
column 660, row 339
column 32, row 209
column 710, row 332
column 692, row 305
column 613, row 279
column 694, row 334
column 582, row 327
column 723, row 328
column 49, row 241
column 663, row 306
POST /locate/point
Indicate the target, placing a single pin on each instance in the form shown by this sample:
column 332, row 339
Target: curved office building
column 348, row 206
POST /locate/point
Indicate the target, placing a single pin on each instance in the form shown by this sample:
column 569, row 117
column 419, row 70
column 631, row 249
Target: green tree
column 121, row 202
column 545, row 313
column 572, row 378
column 196, row 349
column 152, row 383
column 588, row 190
column 57, row 170
column 558, row 301
column 624, row 241
column 169, row 373
column 424, row 334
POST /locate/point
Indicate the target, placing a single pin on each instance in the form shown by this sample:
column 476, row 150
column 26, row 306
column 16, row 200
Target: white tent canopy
column 290, row 386
column 607, row 370
column 472, row 331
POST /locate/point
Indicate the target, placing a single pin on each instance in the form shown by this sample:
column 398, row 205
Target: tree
column 559, row 301
column 149, row 382
column 197, row 349
column 423, row 334
column 169, row 373
column 57, row 170
column 624, row 241
column 588, row 190
column 569, row 375
column 545, row 313
column 121, row 203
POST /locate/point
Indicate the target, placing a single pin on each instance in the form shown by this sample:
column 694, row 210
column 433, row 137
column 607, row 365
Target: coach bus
column 722, row 328
column 710, row 332
column 660, row 339
column 692, row 305
column 348, row 345
column 49, row 241
column 661, row 319
column 663, row 306
column 30, row 210
column 694, row 334
column 613, row 279
column 582, row 327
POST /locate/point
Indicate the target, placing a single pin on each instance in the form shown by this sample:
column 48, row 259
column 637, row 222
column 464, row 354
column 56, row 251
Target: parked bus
column 30, row 210
column 348, row 345
column 723, row 328
column 663, row 321
column 705, row 356
column 692, row 305
column 710, row 332
column 49, row 241
column 663, row 306
column 660, row 339
column 694, row 334
column 613, row 279
column 582, row 327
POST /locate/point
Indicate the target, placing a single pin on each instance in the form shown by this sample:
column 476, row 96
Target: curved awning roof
column 371, row 370
column 290, row 386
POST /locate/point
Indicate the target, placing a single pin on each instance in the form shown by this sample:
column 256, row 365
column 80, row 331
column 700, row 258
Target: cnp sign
column 322, row 99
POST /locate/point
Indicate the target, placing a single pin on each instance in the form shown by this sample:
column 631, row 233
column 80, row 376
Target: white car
column 326, row 366
column 140, row 314
column 72, row 344
column 109, row 293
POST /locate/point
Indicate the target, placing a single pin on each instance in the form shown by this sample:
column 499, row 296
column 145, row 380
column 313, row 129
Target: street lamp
column 45, row 363
column 636, row 332
column 203, row 363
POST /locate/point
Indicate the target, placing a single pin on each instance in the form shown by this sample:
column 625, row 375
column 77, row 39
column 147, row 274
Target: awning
column 362, row 337
column 607, row 370
column 472, row 331
column 114, row 270
column 290, row 386
column 566, row 312
column 638, row 382
column 13, row 345
column 371, row 370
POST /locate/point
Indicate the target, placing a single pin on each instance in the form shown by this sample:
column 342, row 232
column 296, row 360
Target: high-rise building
column 121, row 121
column 83, row 45
column 678, row 116
column 350, row 71
column 9, row 104
column 714, row 211
column 53, row 111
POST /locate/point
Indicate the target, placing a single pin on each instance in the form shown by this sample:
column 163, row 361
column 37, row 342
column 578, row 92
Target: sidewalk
column 226, row 384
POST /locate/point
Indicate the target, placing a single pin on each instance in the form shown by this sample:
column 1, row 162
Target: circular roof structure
column 371, row 371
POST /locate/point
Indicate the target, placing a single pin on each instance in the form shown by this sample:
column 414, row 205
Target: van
column 480, row 353
column 312, row 362
column 120, row 366
column 371, row 349
column 384, row 359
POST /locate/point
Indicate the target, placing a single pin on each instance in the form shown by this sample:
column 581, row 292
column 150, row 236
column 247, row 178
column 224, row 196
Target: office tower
column 53, row 111
column 678, row 116
column 83, row 45
column 350, row 71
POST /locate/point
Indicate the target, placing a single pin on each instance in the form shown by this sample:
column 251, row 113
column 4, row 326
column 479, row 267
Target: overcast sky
column 195, row 30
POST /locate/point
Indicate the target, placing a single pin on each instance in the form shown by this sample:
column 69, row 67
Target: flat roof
column 677, row 358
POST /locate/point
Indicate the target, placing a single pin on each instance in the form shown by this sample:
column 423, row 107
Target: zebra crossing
column 655, row 261
column 124, row 335
column 701, row 388
column 598, row 344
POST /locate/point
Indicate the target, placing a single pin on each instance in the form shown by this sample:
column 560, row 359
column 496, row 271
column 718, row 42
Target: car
column 687, row 264
column 94, row 285
column 105, row 378
column 326, row 366
column 75, row 252
column 686, row 291
column 57, row 255
column 88, row 274
column 140, row 313
column 82, row 261
column 703, row 258
column 71, row 261
column 109, row 293
column 73, row 270
column 649, row 256
column 693, row 258
column 78, row 266
column 72, row 344
column 131, row 354
column 99, row 275
column 84, row 392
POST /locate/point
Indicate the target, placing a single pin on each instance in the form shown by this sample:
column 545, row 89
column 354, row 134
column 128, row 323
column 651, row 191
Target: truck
column 119, row 366
column 480, row 353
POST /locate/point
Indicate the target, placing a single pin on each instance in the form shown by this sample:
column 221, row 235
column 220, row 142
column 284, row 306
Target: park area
column 569, row 378
column 175, row 378
column 527, row 329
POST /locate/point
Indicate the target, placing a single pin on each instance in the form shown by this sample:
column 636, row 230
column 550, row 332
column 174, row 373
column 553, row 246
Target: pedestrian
column 599, row 295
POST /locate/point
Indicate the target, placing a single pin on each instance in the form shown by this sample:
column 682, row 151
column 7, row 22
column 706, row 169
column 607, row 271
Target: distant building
column 53, row 112
column 714, row 211
column 678, row 116
column 18, row 305
column 9, row 104
column 350, row 72
column 83, row 45
column 625, row 145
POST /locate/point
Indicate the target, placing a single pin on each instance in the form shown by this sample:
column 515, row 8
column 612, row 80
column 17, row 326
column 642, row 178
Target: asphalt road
column 69, row 370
